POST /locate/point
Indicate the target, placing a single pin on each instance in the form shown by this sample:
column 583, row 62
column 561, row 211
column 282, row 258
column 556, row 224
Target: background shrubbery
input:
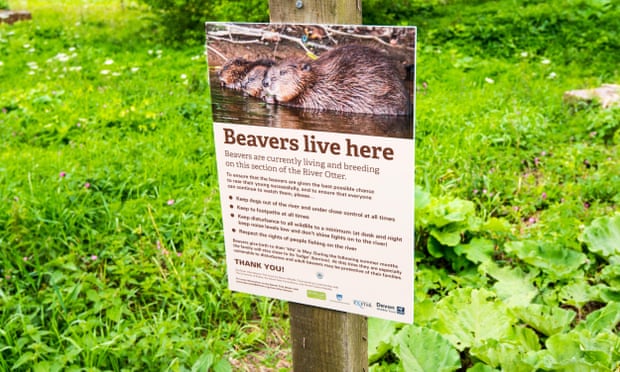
column 573, row 29
column 576, row 31
column 183, row 20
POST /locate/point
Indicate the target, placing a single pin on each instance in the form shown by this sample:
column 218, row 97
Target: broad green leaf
column 422, row 350
column 513, row 286
column 495, row 224
column 443, row 211
column 580, row 350
column 509, row 354
column 556, row 260
column 432, row 279
column 422, row 198
column 447, row 219
column 204, row 362
column 222, row 365
column 564, row 346
column 480, row 367
column 468, row 317
column 385, row 367
column 501, row 355
column 424, row 312
column 208, row 362
column 603, row 236
column 526, row 338
column 48, row 366
column 547, row 320
column 449, row 235
column 578, row 293
column 573, row 366
column 478, row 250
column 380, row 333
column 606, row 318
column 114, row 312
column 608, row 294
column 434, row 248
column 611, row 275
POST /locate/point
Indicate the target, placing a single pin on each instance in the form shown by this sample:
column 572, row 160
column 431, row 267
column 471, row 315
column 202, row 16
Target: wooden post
column 327, row 340
column 316, row 11
column 324, row 340
column 12, row 16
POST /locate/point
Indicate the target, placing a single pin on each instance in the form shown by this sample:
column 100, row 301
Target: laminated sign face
column 314, row 128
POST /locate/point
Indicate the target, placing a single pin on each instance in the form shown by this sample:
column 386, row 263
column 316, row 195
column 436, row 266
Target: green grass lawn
column 112, row 253
column 111, row 245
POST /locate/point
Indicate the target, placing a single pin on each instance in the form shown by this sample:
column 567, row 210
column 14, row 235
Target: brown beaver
column 233, row 72
column 351, row 78
column 252, row 83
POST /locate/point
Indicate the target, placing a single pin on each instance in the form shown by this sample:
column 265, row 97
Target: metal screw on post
column 317, row 11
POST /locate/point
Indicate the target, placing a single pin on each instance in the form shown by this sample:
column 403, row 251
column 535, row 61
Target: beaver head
column 252, row 83
column 233, row 72
column 288, row 79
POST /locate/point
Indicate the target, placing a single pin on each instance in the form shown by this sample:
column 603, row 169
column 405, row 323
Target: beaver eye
column 282, row 72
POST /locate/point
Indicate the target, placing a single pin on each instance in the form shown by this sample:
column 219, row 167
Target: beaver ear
column 306, row 67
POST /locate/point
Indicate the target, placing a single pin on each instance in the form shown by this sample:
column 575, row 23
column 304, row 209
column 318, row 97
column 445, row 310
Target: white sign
column 317, row 217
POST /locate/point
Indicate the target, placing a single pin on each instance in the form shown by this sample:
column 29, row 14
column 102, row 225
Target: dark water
column 231, row 106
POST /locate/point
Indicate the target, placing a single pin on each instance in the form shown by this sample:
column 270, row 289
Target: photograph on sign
column 314, row 136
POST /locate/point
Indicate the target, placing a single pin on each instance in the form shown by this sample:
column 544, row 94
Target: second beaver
column 252, row 83
column 352, row 78
column 233, row 72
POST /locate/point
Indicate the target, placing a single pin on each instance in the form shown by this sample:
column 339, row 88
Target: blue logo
column 319, row 275
column 400, row 310
column 361, row 304
column 339, row 296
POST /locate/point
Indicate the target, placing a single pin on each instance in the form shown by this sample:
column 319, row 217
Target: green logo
column 316, row 294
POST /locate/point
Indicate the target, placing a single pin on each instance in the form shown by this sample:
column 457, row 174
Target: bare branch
column 232, row 41
column 217, row 52
column 368, row 37
column 261, row 34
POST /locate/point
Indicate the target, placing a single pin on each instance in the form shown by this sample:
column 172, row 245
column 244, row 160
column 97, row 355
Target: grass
column 112, row 253
column 111, row 246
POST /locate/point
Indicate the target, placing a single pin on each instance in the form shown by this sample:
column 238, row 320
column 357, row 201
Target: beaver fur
column 352, row 78
column 233, row 72
column 252, row 83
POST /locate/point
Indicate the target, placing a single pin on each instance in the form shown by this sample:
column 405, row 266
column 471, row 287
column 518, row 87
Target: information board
column 317, row 201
